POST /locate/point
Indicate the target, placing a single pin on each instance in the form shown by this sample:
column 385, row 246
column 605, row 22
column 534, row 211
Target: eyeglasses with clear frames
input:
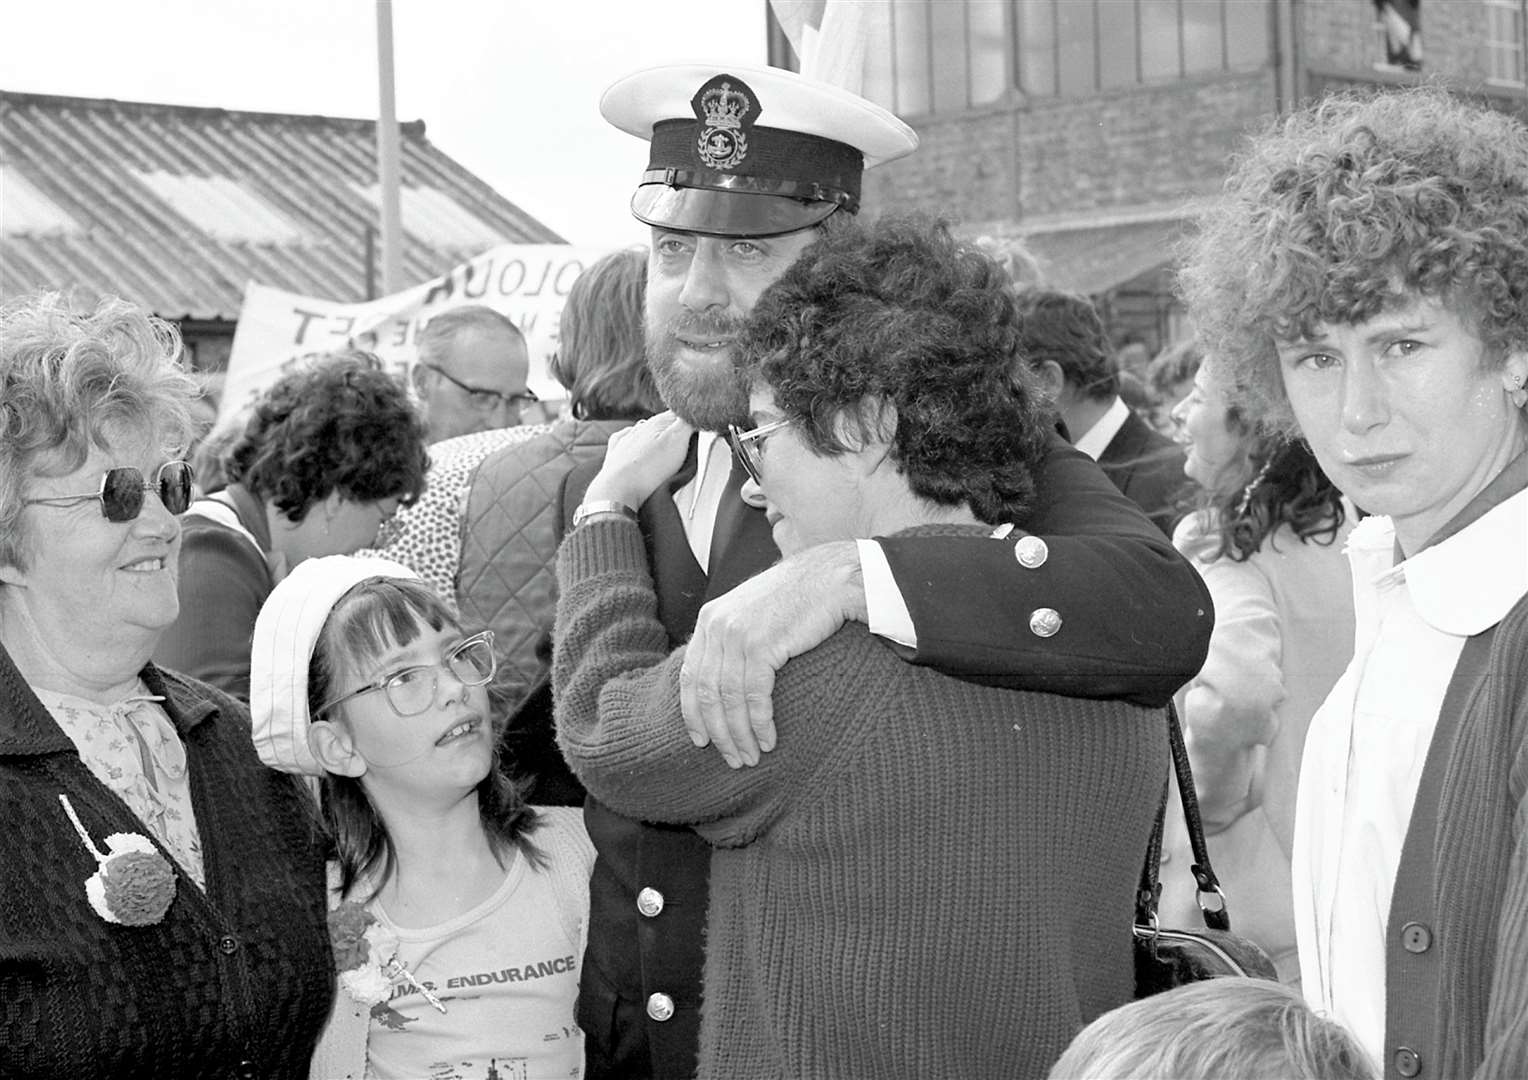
column 748, row 446
column 412, row 690
column 482, row 398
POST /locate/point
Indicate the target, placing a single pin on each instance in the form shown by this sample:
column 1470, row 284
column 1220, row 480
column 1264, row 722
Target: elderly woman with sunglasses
column 161, row 903
column 925, row 876
column 328, row 456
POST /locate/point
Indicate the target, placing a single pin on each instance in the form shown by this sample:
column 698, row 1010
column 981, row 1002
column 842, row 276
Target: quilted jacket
column 511, row 527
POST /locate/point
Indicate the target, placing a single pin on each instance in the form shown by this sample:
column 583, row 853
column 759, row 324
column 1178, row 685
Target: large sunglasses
column 123, row 488
column 482, row 398
column 748, row 446
column 412, row 691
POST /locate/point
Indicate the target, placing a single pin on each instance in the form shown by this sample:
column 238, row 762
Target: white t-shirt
column 506, row 972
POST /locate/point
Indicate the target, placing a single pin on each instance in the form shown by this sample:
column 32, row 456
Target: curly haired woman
column 329, row 453
column 1363, row 281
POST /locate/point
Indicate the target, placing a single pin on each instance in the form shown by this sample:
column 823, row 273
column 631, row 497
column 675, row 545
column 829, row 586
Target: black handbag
column 1168, row 958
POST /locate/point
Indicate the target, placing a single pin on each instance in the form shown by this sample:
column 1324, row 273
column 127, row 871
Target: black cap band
column 776, row 162
column 751, row 185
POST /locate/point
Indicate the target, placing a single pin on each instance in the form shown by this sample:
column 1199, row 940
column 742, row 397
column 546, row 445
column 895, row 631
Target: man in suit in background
column 746, row 166
column 1064, row 341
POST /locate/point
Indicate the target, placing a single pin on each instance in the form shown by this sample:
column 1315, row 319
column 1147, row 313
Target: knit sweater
column 1459, row 1005
column 233, row 981
column 1472, row 999
column 926, row 878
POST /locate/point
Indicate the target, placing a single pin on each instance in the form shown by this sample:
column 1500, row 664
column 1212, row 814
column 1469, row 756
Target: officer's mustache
column 702, row 324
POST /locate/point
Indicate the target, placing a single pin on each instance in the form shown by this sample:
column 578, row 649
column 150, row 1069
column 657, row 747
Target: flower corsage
column 366, row 956
column 134, row 885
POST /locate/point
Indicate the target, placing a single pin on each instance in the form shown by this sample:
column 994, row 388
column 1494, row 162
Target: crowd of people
column 794, row 701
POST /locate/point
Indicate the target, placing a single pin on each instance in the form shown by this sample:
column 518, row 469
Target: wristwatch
column 588, row 510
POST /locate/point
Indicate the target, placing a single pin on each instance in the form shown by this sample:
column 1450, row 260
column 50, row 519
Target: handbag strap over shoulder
column 1212, row 901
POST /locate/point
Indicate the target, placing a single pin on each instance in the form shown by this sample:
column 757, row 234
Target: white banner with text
column 278, row 330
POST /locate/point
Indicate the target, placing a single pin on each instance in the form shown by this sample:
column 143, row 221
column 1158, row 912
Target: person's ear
column 330, row 743
column 1514, row 377
column 1052, row 380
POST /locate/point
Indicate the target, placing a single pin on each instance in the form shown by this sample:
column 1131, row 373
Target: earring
column 1517, row 394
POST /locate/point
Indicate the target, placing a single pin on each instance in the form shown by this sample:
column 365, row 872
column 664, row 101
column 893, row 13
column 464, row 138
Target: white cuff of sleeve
column 887, row 612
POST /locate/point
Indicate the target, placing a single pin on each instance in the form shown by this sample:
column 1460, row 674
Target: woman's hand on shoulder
column 640, row 458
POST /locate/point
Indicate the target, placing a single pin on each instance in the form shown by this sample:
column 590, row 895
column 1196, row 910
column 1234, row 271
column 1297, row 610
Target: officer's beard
column 709, row 397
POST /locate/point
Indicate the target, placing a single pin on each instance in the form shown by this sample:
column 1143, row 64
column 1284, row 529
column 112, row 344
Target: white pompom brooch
column 134, row 885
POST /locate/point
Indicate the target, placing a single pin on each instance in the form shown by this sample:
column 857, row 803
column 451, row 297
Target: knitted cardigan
column 1463, row 1002
column 1473, row 997
column 233, row 981
column 927, row 877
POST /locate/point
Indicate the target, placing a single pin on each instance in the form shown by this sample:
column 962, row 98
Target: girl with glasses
column 455, row 905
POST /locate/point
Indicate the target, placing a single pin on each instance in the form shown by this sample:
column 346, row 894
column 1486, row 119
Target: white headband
column 285, row 633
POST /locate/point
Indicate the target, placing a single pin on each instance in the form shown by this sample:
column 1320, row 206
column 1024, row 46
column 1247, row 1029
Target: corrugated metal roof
column 177, row 207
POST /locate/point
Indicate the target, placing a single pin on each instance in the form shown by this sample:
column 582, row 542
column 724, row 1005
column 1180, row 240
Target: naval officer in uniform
column 746, row 167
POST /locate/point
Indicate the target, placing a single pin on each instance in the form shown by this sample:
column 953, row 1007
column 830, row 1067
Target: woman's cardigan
column 1456, row 964
column 233, row 981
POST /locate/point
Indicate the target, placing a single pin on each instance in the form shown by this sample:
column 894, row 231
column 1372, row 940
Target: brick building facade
column 1100, row 177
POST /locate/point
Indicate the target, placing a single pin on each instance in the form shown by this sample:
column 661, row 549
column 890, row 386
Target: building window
column 1068, row 47
column 1400, row 30
column 940, row 56
column 1504, row 42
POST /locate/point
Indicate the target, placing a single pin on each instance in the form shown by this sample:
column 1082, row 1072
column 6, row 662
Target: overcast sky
column 509, row 88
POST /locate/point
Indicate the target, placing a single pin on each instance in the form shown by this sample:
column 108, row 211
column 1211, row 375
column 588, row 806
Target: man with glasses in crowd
column 747, row 166
column 471, row 373
column 471, row 380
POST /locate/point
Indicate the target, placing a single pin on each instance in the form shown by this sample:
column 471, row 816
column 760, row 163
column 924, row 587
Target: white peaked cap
column 286, row 632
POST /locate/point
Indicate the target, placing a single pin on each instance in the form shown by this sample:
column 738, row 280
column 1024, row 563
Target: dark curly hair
column 899, row 313
column 1064, row 328
column 1341, row 211
column 370, row 618
column 342, row 424
column 1288, row 488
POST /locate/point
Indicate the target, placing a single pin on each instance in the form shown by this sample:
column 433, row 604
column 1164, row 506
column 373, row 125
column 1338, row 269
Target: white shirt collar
column 1096, row 439
column 1462, row 585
